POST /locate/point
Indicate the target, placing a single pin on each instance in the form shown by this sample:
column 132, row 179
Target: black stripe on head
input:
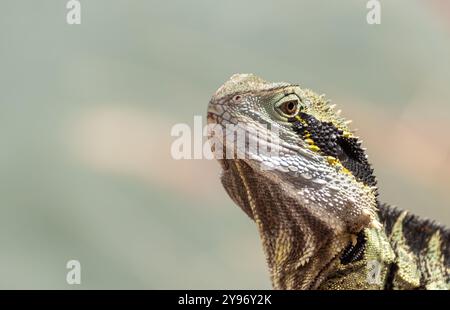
column 332, row 142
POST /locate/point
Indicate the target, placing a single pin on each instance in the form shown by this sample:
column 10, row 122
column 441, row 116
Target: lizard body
column 314, row 201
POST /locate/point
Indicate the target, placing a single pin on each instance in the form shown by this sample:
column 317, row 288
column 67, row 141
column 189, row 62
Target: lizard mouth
column 214, row 119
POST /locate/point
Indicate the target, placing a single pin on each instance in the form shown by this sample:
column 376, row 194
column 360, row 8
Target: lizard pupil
column 290, row 107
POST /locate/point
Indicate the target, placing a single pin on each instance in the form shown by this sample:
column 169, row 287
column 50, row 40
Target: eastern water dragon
column 313, row 195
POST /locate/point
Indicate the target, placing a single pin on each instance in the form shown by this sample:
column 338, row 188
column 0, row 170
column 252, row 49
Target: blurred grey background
column 86, row 112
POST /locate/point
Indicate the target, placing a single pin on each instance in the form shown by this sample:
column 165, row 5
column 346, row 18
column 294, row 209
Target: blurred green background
column 86, row 112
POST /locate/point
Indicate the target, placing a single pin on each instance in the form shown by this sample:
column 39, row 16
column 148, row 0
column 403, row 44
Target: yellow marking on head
column 347, row 134
column 314, row 148
column 346, row 171
column 311, row 144
column 337, row 163
column 301, row 120
column 332, row 161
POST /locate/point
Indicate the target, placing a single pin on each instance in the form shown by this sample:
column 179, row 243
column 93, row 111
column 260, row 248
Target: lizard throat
column 291, row 235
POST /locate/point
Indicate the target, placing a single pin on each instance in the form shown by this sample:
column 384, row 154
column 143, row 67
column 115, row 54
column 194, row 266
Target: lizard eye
column 289, row 108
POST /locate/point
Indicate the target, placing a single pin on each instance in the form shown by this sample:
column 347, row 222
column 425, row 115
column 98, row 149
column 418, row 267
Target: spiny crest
column 243, row 82
column 323, row 110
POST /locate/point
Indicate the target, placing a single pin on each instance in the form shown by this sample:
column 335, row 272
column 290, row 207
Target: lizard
column 310, row 189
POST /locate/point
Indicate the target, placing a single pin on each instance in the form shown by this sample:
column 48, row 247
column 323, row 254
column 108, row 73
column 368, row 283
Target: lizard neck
column 301, row 249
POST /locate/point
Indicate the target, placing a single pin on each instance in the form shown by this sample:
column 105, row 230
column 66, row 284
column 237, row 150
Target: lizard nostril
column 237, row 98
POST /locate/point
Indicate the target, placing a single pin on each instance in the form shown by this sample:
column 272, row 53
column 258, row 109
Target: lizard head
column 291, row 162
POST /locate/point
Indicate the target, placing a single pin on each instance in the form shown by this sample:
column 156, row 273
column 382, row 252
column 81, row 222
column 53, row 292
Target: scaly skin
column 313, row 195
